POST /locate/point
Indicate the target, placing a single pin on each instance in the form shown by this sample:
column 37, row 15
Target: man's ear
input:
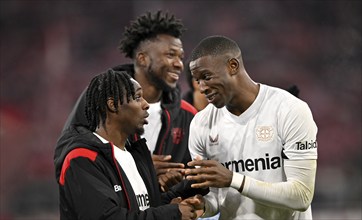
column 141, row 59
column 110, row 105
column 233, row 65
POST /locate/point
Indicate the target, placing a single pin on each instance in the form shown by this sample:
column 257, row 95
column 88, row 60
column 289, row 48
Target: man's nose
column 178, row 63
column 146, row 106
column 203, row 87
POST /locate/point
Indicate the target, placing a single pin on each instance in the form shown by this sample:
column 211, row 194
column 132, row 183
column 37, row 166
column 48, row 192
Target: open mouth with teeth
column 174, row 76
column 210, row 97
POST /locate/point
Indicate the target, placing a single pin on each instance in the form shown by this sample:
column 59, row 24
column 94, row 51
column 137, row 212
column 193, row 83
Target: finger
column 192, row 201
column 173, row 178
column 198, row 157
column 156, row 157
column 201, row 163
column 200, row 178
column 163, row 189
column 198, row 171
column 176, row 200
column 201, row 185
column 169, row 165
column 176, row 170
column 169, row 179
column 162, row 182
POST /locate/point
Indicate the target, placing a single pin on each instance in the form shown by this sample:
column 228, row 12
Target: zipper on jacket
column 167, row 130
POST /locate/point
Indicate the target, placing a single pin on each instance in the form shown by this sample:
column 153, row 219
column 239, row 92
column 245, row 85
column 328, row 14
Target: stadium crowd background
column 51, row 49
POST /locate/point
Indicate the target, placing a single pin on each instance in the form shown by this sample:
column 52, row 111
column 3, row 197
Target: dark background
column 51, row 49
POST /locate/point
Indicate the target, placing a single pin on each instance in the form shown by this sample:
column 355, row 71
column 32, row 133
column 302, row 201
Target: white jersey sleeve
column 296, row 193
column 197, row 144
column 196, row 141
column 298, row 131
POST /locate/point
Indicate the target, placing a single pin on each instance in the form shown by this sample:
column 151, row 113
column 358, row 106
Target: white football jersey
column 277, row 126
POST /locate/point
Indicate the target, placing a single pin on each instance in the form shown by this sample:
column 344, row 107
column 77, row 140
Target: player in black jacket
column 94, row 181
column 153, row 43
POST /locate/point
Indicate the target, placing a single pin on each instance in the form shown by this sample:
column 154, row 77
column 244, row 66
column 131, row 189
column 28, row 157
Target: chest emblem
column 177, row 135
column 214, row 140
column 264, row 133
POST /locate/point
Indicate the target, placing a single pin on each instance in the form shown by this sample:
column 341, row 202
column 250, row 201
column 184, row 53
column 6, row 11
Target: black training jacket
column 92, row 185
column 176, row 118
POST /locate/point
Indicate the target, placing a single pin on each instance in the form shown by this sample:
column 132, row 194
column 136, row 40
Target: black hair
column 110, row 84
column 148, row 26
column 294, row 90
column 214, row 45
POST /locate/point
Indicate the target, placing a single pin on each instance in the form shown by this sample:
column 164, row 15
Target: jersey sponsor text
column 117, row 188
column 254, row 164
column 143, row 200
column 305, row 145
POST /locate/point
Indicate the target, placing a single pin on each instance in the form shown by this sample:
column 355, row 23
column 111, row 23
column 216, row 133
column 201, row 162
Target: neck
column 151, row 93
column 245, row 96
column 114, row 136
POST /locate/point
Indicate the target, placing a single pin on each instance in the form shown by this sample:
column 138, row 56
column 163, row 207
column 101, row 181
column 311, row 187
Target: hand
column 168, row 173
column 209, row 173
column 187, row 211
column 176, row 200
column 169, row 179
column 197, row 201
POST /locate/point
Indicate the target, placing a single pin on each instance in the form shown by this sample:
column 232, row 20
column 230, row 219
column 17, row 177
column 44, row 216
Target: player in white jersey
column 257, row 144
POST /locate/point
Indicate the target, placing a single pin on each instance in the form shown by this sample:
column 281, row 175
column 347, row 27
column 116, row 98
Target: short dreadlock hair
column 214, row 46
column 110, row 84
column 147, row 27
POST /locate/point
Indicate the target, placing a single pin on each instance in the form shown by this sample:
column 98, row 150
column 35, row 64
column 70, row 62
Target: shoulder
column 284, row 100
column 74, row 154
column 290, row 110
column 81, row 152
column 208, row 116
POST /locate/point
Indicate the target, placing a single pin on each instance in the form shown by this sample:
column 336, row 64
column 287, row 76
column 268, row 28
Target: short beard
column 157, row 81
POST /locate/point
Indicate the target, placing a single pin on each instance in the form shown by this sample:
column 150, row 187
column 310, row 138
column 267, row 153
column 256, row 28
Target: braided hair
column 148, row 26
column 110, row 84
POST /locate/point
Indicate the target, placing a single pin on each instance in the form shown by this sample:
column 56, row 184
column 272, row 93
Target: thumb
column 156, row 157
column 167, row 157
column 198, row 157
column 176, row 200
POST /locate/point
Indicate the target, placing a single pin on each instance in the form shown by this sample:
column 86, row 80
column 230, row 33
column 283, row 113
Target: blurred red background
column 51, row 49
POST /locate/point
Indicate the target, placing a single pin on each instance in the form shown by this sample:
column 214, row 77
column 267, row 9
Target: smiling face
column 214, row 79
column 164, row 61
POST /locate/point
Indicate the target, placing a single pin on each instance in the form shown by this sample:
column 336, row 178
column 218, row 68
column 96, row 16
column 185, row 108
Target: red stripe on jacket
column 188, row 107
column 78, row 152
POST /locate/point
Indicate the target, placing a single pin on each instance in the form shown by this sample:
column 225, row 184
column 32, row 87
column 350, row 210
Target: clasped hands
column 207, row 173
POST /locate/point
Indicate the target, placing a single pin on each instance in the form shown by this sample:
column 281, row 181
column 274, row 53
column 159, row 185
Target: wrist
column 237, row 181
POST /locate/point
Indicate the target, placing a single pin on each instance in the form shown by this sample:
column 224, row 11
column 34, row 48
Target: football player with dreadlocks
column 101, row 174
column 153, row 43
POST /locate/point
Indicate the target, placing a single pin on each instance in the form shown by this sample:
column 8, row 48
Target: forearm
column 296, row 193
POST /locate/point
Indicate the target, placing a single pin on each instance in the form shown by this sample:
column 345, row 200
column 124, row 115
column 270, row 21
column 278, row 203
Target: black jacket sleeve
column 182, row 189
column 89, row 193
